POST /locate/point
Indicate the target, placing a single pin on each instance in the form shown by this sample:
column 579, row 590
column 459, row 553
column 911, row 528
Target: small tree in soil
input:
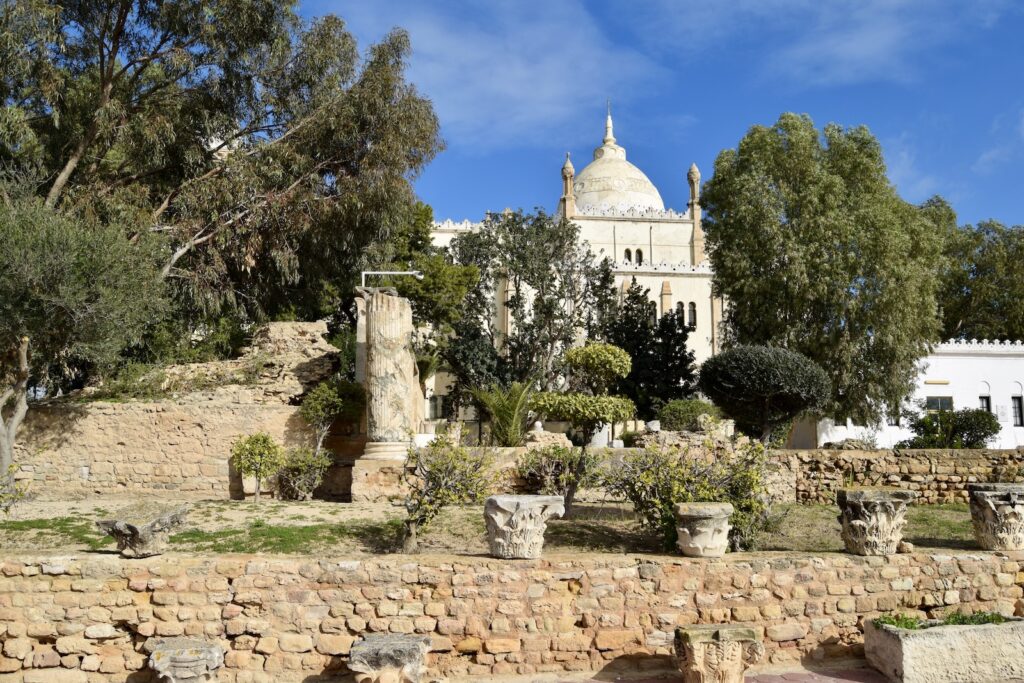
column 764, row 387
column 595, row 367
column 327, row 402
column 257, row 456
column 440, row 475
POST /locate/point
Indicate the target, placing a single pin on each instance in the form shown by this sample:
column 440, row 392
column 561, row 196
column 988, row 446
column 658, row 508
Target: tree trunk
column 18, row 393
column 410, row 544
column 256, row 495
column 574, row 484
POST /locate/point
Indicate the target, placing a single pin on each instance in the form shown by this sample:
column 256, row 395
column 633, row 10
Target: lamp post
column 415, row 273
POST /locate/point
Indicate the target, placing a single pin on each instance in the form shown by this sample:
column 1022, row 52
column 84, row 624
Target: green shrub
column 329, row 401
column 968, row 428
column 509, row 411
column 303, row 471
column 553, row 470
column 599, row 365
column 257, row 456
column 656, row 479
column 629, row 438
column 764, row 387
column 898, row 621
column 958, row 618
column 440, row 475
column 682, row 413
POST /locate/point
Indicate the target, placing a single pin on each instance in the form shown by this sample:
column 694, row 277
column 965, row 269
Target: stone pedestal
column 703, row 528
column 389, row 659
column 184, row 660
column 378, row 481
column 394, row 407
column 146, row 540
column 719, row 653
column 516, row 524
column 997, row 513
column 873, row 519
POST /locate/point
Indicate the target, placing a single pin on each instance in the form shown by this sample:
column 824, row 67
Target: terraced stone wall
column 85, row 619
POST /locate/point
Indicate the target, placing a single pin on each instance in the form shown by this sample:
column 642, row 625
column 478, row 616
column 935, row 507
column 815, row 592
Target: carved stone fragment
column 997, row 513
column 393, row 401
column 389, row 658
column 703, row 528
column 146, row 540
column 516, row 524
column 718, row 653
column 873, row 519
column 185, row 660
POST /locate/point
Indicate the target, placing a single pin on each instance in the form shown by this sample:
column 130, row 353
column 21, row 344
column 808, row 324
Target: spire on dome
column 609, row 135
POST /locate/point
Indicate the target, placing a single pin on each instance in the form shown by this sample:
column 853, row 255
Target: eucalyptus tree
column 267, row 153
column 816, row 252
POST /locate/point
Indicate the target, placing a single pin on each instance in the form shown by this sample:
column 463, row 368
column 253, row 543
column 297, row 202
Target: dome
column 609, row 181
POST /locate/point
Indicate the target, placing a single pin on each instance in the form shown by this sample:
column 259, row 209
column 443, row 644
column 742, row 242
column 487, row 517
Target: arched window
column 692, row 318
column 629, row 256
column 681, row 310
column 639, row 257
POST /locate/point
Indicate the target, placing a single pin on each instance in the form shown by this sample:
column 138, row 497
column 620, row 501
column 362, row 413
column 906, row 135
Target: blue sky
column 517, row 83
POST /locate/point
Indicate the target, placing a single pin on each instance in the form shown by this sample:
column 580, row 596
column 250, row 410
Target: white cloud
column 988, row 160
column 814, row 42
column 506, row 73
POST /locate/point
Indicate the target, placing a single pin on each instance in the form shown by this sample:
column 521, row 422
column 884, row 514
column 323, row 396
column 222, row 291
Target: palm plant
column 509, row 411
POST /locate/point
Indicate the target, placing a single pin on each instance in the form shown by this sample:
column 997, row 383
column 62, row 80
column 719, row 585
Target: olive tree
column 72, row 293
column 763, row 387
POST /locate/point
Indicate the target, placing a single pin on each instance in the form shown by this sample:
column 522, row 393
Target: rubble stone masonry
column 86, row 619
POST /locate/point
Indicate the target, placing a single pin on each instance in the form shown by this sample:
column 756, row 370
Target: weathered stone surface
column 389, row 658
column 997, row 514
column 703, row 528
column 947, row 654
column 717, row 653
column 538, row 438
column 516, row 524
column 185, row 660
column 872, row 519
column 145, row 540
column 394, row 404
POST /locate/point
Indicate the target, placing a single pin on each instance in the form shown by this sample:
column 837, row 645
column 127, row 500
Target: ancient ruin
column 873, row 519
column 185, row 660
column 703, row 528
column 719, row 653
column 997, row 514
column 516, row 524
column 145, row 540
column 389, row 658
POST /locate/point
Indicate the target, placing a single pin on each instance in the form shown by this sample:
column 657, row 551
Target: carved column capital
column 516, row 524
column 997, row 514
column 719, row 653
column 873, row 519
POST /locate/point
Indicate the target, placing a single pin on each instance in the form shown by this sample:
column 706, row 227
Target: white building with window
column 622, row 216
column 957, row 375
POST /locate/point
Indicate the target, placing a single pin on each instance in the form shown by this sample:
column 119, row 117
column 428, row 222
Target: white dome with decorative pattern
column 611, row 182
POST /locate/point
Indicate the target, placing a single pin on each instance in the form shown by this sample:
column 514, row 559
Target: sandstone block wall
column 289, row 620
column 144, row 447
column 940, row 476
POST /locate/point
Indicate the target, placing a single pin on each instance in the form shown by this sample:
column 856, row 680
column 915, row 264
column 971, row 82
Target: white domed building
column 622, row 216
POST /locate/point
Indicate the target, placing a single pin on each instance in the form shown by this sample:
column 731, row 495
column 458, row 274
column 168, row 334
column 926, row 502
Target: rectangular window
column 937, row 403
column 985, row 403
column 893, row 419
column 1018, row 411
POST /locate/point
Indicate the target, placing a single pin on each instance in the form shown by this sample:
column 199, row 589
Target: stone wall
column 87, row 619
column 940, row 476
column 135, row 447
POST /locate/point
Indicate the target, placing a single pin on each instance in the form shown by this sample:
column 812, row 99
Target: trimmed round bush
column 682, row 413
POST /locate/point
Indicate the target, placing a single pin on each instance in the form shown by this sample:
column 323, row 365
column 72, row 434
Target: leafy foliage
column 584, row 412
column 440, row 475
column 682, row 414
column 816, row 252
column 552, row 290
column 763, row 387
column 899, row 621
column 72, row 293
column 247, row 141
column 303, row 471
column 327, row 402
column 509, row 411
column 599, row 365
column 958, row 618
column 555, row 470
column 257, row 456
column 982, row 293
column 968, row 428
column 662, row 368
column 656, row 479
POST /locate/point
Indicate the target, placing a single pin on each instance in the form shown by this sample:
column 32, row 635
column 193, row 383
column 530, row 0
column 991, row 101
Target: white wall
column 965, row 371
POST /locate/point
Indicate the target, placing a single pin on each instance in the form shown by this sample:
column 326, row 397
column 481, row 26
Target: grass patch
column 381, row 537
column 57, row 532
